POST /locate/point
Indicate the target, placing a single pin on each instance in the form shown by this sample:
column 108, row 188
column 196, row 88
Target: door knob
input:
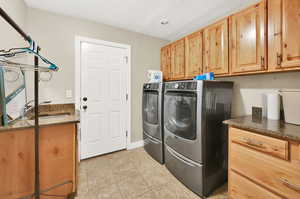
column 84, row 107
column 84, row 99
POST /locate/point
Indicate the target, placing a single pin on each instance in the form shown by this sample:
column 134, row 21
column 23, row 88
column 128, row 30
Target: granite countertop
column 274, row 128
column 53, row 117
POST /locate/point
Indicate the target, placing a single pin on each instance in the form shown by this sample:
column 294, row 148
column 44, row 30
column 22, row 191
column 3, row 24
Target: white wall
column 248, row 90
column 17, row 10
column 56, row 35
column 9, row 38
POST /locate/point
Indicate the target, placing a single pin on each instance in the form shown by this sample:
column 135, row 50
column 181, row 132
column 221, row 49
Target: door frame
column 78, row 41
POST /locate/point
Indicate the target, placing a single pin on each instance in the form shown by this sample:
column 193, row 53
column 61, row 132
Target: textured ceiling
column 144, row 16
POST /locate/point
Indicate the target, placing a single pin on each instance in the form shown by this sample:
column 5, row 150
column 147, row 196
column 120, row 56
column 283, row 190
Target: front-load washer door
column 180, row 123
column 151, row 124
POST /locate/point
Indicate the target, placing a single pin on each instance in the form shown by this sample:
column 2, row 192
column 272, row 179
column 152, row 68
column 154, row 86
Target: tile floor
column 132, row 175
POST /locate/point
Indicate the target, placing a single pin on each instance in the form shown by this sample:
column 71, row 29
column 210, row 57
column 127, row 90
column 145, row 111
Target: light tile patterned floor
column 132, row 175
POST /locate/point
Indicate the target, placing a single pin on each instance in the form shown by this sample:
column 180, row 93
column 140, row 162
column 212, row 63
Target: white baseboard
column 134, row 145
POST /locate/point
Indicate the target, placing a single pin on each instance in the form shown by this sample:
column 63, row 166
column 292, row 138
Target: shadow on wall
column 248, row 90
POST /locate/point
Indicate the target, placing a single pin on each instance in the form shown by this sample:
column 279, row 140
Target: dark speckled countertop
column 274, row 128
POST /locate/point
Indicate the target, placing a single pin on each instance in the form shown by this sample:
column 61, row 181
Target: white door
column 104, row 76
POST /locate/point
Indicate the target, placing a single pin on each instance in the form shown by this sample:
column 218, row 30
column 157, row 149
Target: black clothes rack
column 36, row 103
column 37, row 191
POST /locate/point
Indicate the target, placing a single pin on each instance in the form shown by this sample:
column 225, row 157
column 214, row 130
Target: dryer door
column 181, row 123
column 180, row 114
column 151, row 113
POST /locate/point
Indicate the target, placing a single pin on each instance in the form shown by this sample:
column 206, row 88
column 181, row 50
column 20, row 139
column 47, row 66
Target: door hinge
column 79, row 134
column 126, row 59
column 126, row 96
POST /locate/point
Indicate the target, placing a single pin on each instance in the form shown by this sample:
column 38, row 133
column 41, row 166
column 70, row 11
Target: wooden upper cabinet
column 216, row 48
column 193, row 55
column 178, row 59
column 248, row 39
column 284, row 37
column 165, row 62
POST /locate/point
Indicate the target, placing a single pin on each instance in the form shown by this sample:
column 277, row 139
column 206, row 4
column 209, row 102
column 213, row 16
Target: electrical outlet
column 256, row 114
column 69, row 94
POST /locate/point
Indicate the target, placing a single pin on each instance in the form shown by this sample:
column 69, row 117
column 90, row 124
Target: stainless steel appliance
column 195, row 137
column 152, row 120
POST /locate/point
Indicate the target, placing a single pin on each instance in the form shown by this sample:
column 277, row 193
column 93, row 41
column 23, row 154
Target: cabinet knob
column 84, row 99
column 84, row 107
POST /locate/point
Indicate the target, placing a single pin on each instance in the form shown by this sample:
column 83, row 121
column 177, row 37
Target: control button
column 176, row 86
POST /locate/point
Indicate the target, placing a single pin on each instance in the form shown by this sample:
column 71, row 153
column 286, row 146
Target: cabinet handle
column 262, row 62
column 253, row 143
column 279, row 59
column 289, row 185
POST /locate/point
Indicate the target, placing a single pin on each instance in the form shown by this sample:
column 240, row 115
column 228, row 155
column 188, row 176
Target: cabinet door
column 193, row 55
column 248, row 43
column 283, row 34
column 165, row 62
column 216, row 48
column 290, row 33
column 274, row 34
column 178, row 59
column 58, row 160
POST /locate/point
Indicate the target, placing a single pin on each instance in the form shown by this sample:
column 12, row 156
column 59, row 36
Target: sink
column 49, row 116
column 54, row 116
column 45, row 119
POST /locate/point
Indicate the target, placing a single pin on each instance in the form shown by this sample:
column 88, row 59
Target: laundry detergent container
column 291, row 104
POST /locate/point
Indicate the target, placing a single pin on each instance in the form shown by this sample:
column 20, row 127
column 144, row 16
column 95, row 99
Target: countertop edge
column 9, row 129
column 280, row 134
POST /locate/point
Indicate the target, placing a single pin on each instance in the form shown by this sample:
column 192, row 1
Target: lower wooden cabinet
column 253, row 171
column 242, row 188
column 16, row 163
column 57, row 161
column 58, row 158
column 268, row 145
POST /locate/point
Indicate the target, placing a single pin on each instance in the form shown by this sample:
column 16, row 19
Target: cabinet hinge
column 126, row 133
column 126, row 96
column 126, row 59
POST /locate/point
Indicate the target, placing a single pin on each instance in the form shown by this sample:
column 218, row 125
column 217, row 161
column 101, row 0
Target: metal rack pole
column 36, row 128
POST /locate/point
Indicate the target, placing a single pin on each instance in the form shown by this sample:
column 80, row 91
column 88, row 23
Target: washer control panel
column 182, row 85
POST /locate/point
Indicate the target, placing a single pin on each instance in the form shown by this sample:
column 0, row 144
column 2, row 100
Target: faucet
column 26, row 108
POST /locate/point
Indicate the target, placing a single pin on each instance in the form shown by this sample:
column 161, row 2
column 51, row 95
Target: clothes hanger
column 31, row 49
column 4, row 63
